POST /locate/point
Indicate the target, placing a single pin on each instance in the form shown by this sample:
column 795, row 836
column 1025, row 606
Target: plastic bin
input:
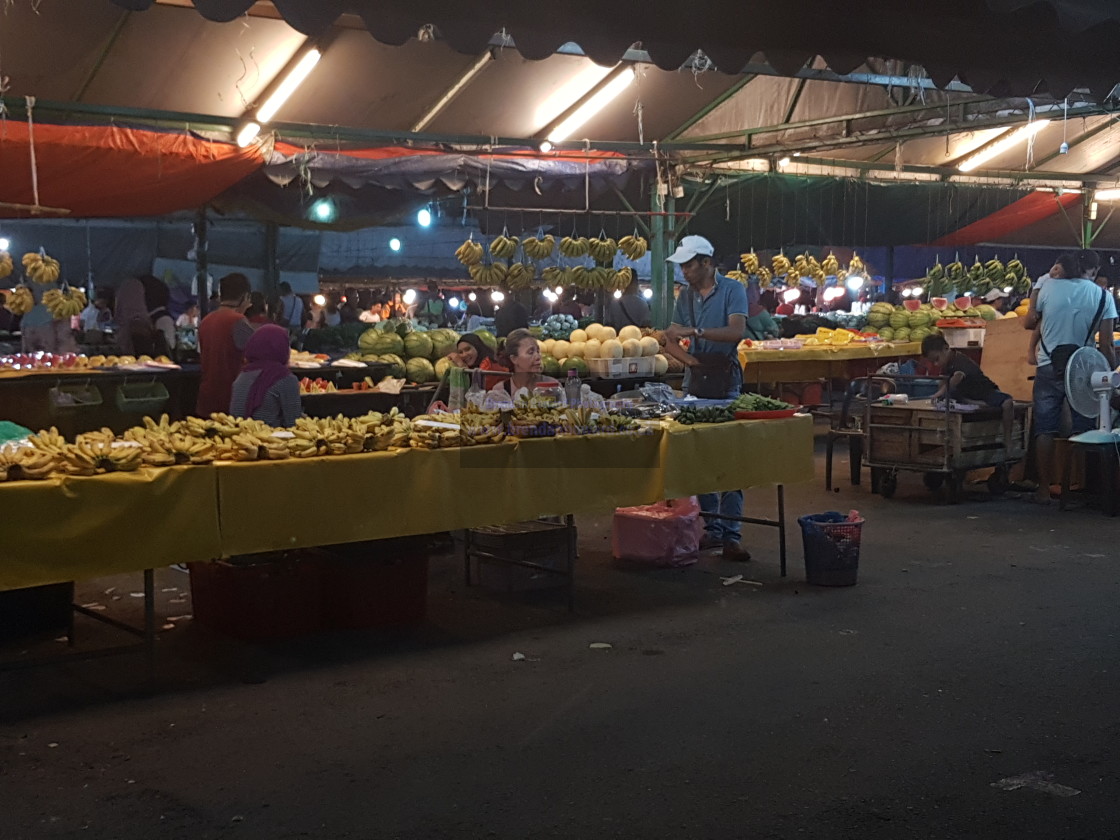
column 64, row 400
column 383, row 583
column 831, row 543
column 142, row 397
column 258, row 598
column 626, row 368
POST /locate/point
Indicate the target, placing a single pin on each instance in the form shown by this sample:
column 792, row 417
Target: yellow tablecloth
column 73, row 528
column 814, row 363
column 86, row 527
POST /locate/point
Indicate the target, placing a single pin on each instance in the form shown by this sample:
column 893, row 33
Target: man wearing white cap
column 997, row 299
column 712, row 313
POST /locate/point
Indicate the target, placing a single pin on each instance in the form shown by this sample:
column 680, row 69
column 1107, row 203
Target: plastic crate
column 70, row 399
column 626, row 368
column 963, row 336
column 142, row 397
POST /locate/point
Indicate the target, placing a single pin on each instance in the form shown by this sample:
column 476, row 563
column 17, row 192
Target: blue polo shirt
column 1067, row 308
column 728, row 297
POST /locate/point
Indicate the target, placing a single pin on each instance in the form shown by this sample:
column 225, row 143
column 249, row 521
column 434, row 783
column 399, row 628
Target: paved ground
column 980, row 645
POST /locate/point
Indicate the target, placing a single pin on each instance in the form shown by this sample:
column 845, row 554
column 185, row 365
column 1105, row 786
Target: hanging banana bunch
column 519, row 276
column 553, row 276
column 539, row 247
column 781, row 265
column 633, row 247
column 20, row 300
column 469, row 253
column 575, row 247
column 765, row 278
column 739, row 274
column 602, row 250
column 64, row 303
column 750, row 262
column 831, row 265
column 6, row 266
column 856, row 266
column 40, row 268
column 503, row 247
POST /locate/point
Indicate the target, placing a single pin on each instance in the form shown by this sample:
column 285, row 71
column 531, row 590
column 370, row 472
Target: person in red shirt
column 222, row 337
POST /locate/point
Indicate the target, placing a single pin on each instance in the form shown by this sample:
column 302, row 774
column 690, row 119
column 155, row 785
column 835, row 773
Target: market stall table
column 825, row 362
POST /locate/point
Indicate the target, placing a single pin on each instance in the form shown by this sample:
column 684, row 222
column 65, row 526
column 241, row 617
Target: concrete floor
column 980, row 645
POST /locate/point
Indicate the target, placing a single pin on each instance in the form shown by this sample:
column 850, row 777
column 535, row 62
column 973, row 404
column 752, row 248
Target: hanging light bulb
column 472, row 297
column 647, row 293
column 617, row 294
column 409, row 297
column 497, row 296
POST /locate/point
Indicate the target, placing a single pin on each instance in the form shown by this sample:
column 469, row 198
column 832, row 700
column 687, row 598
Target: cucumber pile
column 757, row 402
column 706, row 414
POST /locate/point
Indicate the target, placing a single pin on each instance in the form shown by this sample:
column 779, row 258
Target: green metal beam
column 638, row 221
column 1077, row 141
column 711, row 106
column 800, row 89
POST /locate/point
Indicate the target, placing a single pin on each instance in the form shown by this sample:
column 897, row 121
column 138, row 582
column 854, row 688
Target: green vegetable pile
column 757, row 402
column 708, row 414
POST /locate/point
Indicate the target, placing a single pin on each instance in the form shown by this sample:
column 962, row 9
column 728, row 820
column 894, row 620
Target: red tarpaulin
column 1022, row 213
column 94, row 171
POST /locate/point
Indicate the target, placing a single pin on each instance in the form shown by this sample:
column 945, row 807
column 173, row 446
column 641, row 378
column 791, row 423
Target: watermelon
column 940, row 303
column 379, row 342
column 418, row 345
column 899, row 319
column 419, row 370
column 919, row 319
column 442, row 366
column 488, row 338
column 576, row 364
column 395, row 363
column 443, row 342
column 550, row 366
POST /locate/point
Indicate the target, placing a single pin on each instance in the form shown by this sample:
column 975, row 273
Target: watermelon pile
column 417, row 356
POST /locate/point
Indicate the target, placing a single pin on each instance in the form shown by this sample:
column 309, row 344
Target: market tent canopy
column 1012, row 219
column 103, row 171
column 1001, row 44
column 423, row 169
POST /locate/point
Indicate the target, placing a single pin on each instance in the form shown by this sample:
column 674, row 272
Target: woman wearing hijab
column 473, row 353
column 157, row 297
column 131, row 315
column 266, row 389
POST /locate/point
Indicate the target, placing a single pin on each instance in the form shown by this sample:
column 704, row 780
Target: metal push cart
column 944, row 445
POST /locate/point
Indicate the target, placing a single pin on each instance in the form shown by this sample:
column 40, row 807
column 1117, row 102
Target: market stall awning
column 1028, row 210
column 424, row 169
column 999, row 44
column 105, row 171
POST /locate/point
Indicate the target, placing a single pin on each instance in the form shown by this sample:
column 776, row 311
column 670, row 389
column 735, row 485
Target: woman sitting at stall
column 266, row 389
column 473, row 353
column 522, row 356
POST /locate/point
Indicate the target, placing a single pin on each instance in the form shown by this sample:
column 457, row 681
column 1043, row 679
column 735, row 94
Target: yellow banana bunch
column 519, row 276
column 623, row 278
column 19, row 462
column 434, row 437
column 602, row 250
column 856, row 266
column 175, row 448
column 489, row 275
column 504, row 247
column 738, row 275
column 49, row 441
column 553, row 277
column 633, row 247
column 6, row 266
column 577, row 276
column 801, row 266
column 92, row 458
column 819, row 277
column 20, row 300
column 572, row 247
column 750, row 262
column 469, row 253
column 477, row 427
column 41, row 268
column 64, row 303
column 539, row 248
column 781, row 265
column 765, row 278
column 102, row 435
column 831, row 265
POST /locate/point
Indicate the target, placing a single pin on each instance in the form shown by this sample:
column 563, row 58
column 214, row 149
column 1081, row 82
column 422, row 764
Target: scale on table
column 1090, row 384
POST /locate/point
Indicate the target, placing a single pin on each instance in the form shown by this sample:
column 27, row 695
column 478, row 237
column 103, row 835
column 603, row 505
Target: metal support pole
column 661, row 238
column 202, row 268
column 1087, row 219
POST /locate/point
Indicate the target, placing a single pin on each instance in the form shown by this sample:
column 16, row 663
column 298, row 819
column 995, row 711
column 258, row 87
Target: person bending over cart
column 967, row 383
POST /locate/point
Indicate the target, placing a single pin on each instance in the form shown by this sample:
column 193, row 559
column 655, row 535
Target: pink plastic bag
column 663, row 535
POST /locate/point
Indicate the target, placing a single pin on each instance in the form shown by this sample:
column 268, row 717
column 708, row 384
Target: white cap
column 995, row 294
column 690, row 248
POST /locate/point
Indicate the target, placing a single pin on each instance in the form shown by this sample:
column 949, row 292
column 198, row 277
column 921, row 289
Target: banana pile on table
column 586, row 421
column 20, row 462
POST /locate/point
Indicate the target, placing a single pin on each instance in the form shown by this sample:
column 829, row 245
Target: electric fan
column 1090, row 382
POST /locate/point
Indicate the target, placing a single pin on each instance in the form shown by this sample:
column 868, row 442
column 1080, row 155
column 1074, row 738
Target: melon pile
column 598, row 342
column 411, row 356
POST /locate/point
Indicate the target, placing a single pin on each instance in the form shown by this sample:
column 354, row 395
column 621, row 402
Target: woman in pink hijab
column 266, row 389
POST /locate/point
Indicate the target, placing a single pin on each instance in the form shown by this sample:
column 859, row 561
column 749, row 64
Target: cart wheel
column 933, row 481
column 888, row 484
column 998, row 482
column 955, row 486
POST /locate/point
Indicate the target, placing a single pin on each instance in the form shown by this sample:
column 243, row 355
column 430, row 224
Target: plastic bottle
column 572, row 389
